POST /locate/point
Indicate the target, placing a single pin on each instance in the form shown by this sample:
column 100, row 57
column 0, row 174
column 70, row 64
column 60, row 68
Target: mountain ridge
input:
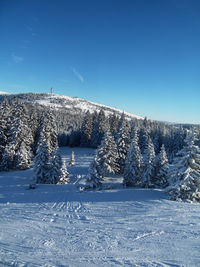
column 57, row 101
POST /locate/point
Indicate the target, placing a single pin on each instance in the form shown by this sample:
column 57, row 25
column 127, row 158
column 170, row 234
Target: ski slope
column 56, row 225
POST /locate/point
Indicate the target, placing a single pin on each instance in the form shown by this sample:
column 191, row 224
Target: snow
column 82, row 104
column 56, row 225
column 3, row 93
column 45, row 102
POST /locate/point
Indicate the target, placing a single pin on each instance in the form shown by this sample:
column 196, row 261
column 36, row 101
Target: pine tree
column 107, row 155
column 4, row 119
column 148, row 165
column 17, row 153
column 94, row 179
column 123, row 143
column 48, row 131
column 162, row 168
column 122, row 122
column 42, row 164
column 185, row 176
column 143, row 139
column 72, row 159
column 113, row 122
column 99, row 129
column 86, row 130
column 55, row 166
column 133, row 164
column 64, row 175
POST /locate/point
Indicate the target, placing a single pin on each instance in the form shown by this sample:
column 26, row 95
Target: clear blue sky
column 142, row 56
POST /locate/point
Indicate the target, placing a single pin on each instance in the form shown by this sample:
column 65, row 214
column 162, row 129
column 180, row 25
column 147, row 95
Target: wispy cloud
column 17, row 59
column 30, row 29
column 78, row 75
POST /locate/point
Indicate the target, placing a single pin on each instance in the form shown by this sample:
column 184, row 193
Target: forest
column 148, row 154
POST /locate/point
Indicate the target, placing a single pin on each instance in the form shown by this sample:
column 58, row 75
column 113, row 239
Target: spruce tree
column 86, row 130
column 55, row 166
column 64, row 175
column 94, row 179
column 42, row 164
column 17, row 153
column 48, row 130
column 123, row 143
column 4, row 122
column 133, row 164
column 185, row 176
column 143, row 139
column 99, row 129
column 113, row 123
column 107, row 155
column 72, row 159
column 162, row 168
column 148, row 165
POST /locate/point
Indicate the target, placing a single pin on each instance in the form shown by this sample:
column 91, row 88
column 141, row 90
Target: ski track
column 115, row 228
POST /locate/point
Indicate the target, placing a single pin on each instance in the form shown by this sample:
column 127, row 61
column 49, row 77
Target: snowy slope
column 56, row 225
column 3, row 93
column 73, row 103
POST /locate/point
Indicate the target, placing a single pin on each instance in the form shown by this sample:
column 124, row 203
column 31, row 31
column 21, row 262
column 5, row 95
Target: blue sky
column 142, row 56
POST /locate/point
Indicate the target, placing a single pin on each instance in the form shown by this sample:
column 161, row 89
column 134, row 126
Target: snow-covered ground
column 84, row 105
column 56, row 225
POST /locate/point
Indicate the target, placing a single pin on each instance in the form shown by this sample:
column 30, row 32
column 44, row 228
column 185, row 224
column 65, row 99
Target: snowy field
column 56, row 225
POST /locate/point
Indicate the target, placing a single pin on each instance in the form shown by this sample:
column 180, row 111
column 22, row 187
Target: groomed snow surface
column 56, row 225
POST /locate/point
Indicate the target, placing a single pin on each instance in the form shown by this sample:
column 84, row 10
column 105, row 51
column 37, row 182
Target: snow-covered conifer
column 99, row 128
column 17, row 153
column 162, row 168
column 133, row 164
column 42, row 164
column 185, row 176
column 55, row 166
column 64, row 175
column 123, row 143
column 48, row 130
column 143, row 139
column 94, row 179
column 86, row 130
column 148, row 165
column 4, row 122
column 114, row 121
column 72, row 159
column 107, row 154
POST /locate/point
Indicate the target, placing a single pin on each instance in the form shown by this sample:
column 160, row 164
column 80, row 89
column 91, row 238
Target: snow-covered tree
column 148, row 165
column 86, row 130
column 107, row 155
column 185, row 176
column 55, row 166
column 4, row 122
column 17, row 153
column 72, row 159
column 64, row 175
column 99, row 128
column 133, row 164
column 42, row 168
column 143, row 139
column 48, row 131
column 94, row 179
column 123, row 143
column 122, row 122
column 162, row 168
column 114, row 121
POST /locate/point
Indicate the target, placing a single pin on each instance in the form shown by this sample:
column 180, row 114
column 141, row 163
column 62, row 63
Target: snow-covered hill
column 56, row 225
column 3, row 93
column 69, row 103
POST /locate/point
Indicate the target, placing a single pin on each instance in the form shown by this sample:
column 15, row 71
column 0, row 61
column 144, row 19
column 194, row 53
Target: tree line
column 141, row 150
